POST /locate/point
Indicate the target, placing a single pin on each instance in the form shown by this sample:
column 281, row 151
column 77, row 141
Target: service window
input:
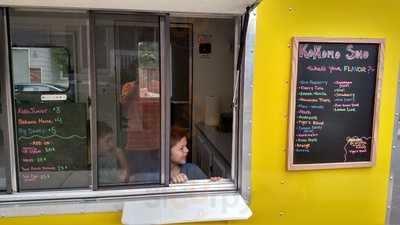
column 50, row 82
column 119, row 104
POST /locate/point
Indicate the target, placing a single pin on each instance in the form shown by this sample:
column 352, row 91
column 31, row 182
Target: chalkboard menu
column 52, row 142
column 334, row 103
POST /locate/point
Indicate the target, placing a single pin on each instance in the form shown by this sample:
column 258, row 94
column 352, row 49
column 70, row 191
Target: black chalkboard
column 334, row 100
column 51, row 141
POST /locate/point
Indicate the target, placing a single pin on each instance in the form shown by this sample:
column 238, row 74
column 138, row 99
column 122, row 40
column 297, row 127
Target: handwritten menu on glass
column 52, row 142
column 333, row 103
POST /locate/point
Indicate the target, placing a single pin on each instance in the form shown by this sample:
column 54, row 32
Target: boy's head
column 179, row 150
column 105, row 135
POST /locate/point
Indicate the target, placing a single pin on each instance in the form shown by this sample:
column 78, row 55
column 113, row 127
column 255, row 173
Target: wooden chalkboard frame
column 292, row 105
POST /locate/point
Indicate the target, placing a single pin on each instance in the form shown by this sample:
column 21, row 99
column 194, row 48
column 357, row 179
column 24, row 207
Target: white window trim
column 246, row 111
column 236, row 7
column 156, row 210
column 82, row 194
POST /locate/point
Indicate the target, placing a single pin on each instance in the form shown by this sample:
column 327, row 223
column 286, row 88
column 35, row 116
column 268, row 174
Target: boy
column 112, row 164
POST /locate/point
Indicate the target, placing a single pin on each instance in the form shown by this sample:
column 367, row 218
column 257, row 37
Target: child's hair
column 177, row 133
column 103, row 129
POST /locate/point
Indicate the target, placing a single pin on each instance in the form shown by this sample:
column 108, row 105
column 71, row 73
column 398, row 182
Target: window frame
column 393, row 183
column 241, row 163
column 244, row 151
column 5, row 98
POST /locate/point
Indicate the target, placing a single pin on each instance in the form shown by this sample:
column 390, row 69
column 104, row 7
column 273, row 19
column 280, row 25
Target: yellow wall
column 337, row 197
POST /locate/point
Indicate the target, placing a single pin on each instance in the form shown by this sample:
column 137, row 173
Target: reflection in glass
column 40, row 69
column 112, row 163
column 128, row 99
column 50, row 81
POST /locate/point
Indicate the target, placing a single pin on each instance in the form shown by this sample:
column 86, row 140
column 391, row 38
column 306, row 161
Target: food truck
column 212, row 112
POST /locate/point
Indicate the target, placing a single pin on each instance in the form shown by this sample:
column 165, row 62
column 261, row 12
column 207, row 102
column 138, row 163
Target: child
column 112, row 164
column 180, row 170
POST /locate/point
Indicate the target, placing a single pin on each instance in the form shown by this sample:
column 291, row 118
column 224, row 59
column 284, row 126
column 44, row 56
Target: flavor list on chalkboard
column 51, row 140
column 334, row 102
column 312, row 97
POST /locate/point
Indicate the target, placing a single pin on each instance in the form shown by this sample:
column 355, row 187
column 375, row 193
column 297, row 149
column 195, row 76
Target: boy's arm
column 124, row 176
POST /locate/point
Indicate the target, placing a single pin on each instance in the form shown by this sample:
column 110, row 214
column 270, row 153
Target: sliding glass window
column 96, row 100
column 49, row 53
column 127, row 66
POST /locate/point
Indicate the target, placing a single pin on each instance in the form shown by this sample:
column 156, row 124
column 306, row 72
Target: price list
column 51, row 140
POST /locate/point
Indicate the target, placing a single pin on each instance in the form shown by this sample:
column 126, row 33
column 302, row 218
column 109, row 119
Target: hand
column 124, row 176
column 179, row 178
column 215, row 179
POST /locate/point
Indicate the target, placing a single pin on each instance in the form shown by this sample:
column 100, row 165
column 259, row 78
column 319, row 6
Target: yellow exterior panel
column 341, row 196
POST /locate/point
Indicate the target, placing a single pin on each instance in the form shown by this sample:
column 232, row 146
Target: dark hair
column 177, row 133
column 103, row 129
